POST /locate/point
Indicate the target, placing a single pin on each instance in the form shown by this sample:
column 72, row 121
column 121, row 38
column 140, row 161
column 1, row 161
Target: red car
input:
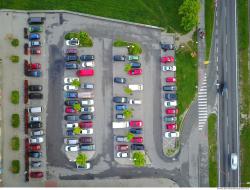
column 171, row 127
column 35, row 147
column 35, row 51
column 85, row 72
column 36, row 174
column 170, row 79
column 35, row 66
column 171, row 111
column 88, row 124
column 122, row 147
column 137, row 140
column 135, row 72
column 166, row 59
column 70, row 110
column 135, row 123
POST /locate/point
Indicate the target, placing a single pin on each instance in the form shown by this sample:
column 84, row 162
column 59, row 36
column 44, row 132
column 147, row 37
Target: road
column 228, row 110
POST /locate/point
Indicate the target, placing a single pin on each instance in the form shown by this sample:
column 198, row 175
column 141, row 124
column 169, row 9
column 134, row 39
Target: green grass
column 243, row 39
column 133, row 48
column 158, row 12
column 212, row 142
column 209, row 24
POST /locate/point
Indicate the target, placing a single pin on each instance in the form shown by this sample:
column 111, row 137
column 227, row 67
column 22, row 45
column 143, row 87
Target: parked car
column 170, row 96
column 71, row 95
column 34, row 36
column 170, row 79
column 71, row 117
column 71, row 102
column 169, row 134
column 171, row 127
column 35, row 118
column 169, row 88
column 117, row 99
column 135, row 72
column 25, row 33
column 26, row 49
column 36, row 20
column 121, row 107
column 133, row 58
column 171, row 111
column 69, row 109
column 119, row 116
column 88, row 109
column 137, row 140
column 35, row 95
column 36, row 164
column 88, row 64
column 135, row 65
column 167, row 59
column 36, row 174
column 35, row 51
column 35, row 28
column 71, row 125
column 172, row 103
column 69, row 58
column 88, row 131
column 35, row 124
column 35, row 73
column 86, row 117
column 122, row 154
column 69, row 80
column 36, row 140
column 69, row 132
column 120, row 80
column 87, row 58
column 135, row 131
column 234, row 161
column 137, row 147
column 122, row 147
column 135, row 101
column 85, row 167
column 34, row 154
column 85, row 72
column 135, row 123
column 39, row 132
column 35, row 43
column 71, row 51
column 88, row 124
column 70, row 87
column 35, row 147
column 121, row 139
column 85, row 140
column 35, row 87
column 72, row 42
column 71, row 148
column 136, row 87
column 87, row 86
column 71, row 141
column 69, row 65
column 166, row 47
column 87, row 147
column 170, row 119
column 119, row 57
column 168, row 68
column 87, row 102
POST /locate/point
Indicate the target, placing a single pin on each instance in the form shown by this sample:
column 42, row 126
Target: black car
column 120, row 99
column 36, row 164
column 71, row 58
column 137, row 147
column 71, row 102
column 71, row 65
column 35, row 124
column 119, row 58
column 71, row 117
column 135, row 65
column 86, row 117
column 120, row 80
column 25, row 33
column 35, row 87
column 170, row 96
column 169, row 88
column 166, row 47
column 34, row 154
column 87, row 57
column 35, row 96
column 135, row 131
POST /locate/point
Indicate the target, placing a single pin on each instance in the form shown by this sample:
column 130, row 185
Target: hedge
column 14, row 58
column 15, row 166
column 15, row 42
column 15, row 97
column 133, row 48
column 15, row 143
column 15, row 120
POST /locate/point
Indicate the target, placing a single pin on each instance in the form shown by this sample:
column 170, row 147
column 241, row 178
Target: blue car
column 71, row 58
column 135, row 131
column 71, row 95
column 121, row 107
column 71, row 65
column 69, row 132
column 135, row 65
column 33, row 73
column 34, row 36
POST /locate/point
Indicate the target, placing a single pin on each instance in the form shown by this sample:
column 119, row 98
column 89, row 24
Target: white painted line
column 201, row 96
column 202, row 111
column 203, row 89
column 202, row 105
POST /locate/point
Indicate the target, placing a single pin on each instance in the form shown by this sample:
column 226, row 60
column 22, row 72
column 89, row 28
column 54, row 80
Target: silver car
column 37, row 132
column 36, row 140
column 234, row 161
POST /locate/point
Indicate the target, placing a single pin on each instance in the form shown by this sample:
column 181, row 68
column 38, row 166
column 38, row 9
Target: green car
column 133, row 58
column 35, row 29
column 170, row 119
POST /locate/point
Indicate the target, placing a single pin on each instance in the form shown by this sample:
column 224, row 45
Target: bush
column 76, row 83
column 15, row 97
column 15, row 166
column 83, row 37
column 15, row 143
column 81, row 159
column 130, row 136
column 127, row 67
column 77, row 107
column 15, row 120
column 128, row 113
column 139, row 159
column 134, row 49
column 120, row 43
column 77, row 130
column 15, row 42
column 14, row 58
column 128, row 91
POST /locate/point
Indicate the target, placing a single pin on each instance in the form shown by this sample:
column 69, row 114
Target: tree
column 127, row 67
column 139, row 159
column 15, row 42
column 76, row 83
column 189, row 11
column 134, row 49
column 130, row 136
column 15, row 120
column 77, row 130
column 14, row 58
column 127, row 90
column 81, row 159
column 77, row 107
column 128, row 113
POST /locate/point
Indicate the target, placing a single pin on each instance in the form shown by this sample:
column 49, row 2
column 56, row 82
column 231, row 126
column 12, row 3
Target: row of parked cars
column 33, row 144
column 170, row 98
column 79, row 102
column 122, row 103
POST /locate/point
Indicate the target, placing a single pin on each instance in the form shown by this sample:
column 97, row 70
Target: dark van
column 36, row 20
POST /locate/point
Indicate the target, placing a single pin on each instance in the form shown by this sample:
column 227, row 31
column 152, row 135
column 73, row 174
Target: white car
column 86, row 167
column 88, row 64
column 35, row 118
column 70, row 87
column 71, row 125
column 37, row 132
column 88, row 102
column 89, row 131
column 168, row 68
column 136, row 87
column 72, row 42
column 71, row 148
column 35, row 140
column 172, row 134
column 122, row 154
column 88, row 109
column 234, row 161
column 71, row 141
column 170, row 103
column 69, row 80
column 138, row 102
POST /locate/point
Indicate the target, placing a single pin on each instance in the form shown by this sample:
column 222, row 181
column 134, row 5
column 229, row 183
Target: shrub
column 15, row 120
column 70, row 35
column 15, row 143
column 128, row 113
column 83, row 37
column 77, row 130
column 77, row 107
column 81, row 159
column 120, row 43
column 15, row 166
column 14, row 58
column 128, row 91
column 76, row 83
column 127, row 67
column 15, row 42
column 15, row 97
column 130, row 136
column 139, row 159
column 134, row 49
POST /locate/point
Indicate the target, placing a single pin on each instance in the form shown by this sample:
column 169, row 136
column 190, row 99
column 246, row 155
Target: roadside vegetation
column 15, row 120
column 139, row 159
column 212, row 142
column 15, row 166
column 133, row 48
column 15, row 97
column 84, row 39
column 15, row 143
column 209, row 24
column 243, row 39
column 14, row 58
column 15, row 42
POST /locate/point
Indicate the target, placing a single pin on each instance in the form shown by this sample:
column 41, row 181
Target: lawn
column 158, row 12
column 209, row 24
column 243, row 38
column 212, row 142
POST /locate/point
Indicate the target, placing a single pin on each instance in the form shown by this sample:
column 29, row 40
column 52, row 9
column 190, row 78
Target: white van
column 136, row 87
column 35, row 109
column 120, row 125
